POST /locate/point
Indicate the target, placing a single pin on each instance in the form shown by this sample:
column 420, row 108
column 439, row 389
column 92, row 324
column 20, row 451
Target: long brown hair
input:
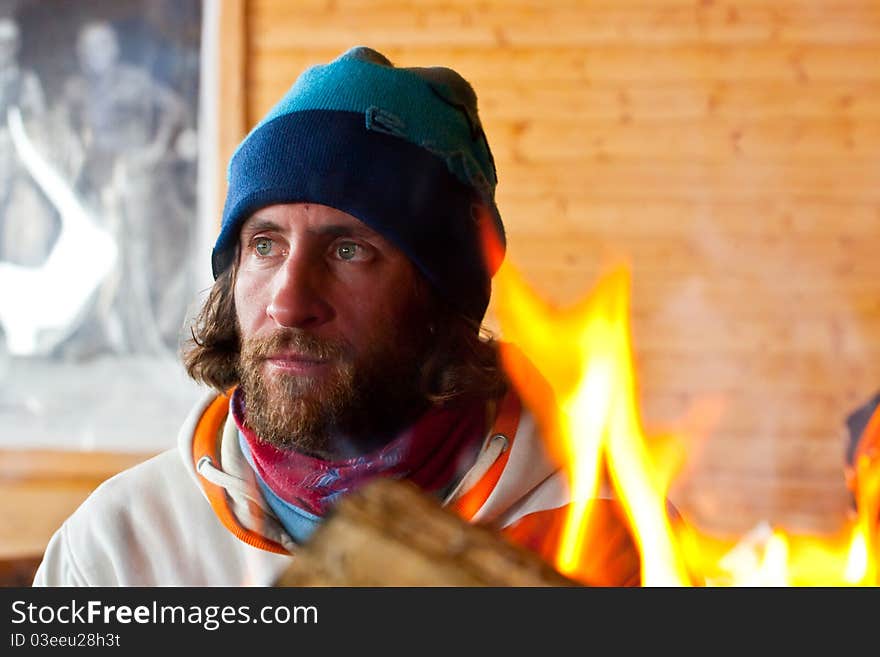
column 462, row 363
column 211, row 355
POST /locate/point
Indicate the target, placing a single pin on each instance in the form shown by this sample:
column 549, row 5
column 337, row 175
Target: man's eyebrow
column 258, row 225
column 344, row 230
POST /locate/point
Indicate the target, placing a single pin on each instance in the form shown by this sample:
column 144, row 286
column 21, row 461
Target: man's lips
column 296, row 362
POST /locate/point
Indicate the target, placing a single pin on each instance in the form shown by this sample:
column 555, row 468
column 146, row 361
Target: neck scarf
column 432, row 453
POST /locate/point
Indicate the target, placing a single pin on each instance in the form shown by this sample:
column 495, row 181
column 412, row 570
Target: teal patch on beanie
column 401, row 102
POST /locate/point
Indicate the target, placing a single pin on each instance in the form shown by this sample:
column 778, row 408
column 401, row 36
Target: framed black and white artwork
column 102, row 229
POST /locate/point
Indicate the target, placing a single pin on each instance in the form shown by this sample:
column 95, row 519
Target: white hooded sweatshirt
column 156, row 525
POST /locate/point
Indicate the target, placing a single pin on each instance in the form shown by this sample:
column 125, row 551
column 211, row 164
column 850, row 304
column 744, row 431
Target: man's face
column 9, row 43
column 333, row 329
column 97, row 49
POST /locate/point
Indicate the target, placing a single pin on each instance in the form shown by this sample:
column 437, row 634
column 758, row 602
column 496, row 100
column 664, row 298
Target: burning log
column 390, row 533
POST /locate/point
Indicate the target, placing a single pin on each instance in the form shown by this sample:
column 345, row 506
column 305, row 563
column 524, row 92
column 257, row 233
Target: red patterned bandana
column 433, row 452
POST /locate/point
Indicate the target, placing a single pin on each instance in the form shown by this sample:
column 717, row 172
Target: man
column 126, row 122
column 343, row 331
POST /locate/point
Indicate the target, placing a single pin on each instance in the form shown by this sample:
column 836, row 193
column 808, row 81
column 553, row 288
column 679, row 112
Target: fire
column 574, row 369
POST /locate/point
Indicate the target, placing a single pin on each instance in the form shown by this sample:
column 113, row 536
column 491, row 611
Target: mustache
column 306, row 344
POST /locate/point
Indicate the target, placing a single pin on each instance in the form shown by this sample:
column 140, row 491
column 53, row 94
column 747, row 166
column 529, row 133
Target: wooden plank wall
column 39, row 489
column 730, row 149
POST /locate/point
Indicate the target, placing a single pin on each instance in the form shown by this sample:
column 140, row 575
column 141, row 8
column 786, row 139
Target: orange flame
column 574, row 369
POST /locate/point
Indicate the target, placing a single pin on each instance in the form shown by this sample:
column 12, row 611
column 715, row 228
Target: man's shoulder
column 133, row 500
column 107, row 529
column 159, row 476
column 530, row 479
column 150, row 526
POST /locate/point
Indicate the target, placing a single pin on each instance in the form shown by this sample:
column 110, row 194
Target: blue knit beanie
column 400, row 149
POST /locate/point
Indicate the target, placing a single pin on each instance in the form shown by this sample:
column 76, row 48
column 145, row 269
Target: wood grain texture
column 390, row 533
column 234, row 121
column 39, row 489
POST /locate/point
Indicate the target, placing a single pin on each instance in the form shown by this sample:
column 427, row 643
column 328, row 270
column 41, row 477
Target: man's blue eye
column 263, row 246
column 347, row 250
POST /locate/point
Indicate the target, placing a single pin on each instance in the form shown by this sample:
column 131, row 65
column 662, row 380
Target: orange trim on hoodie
column 506, row 423
column 613, row 561
column 205, row 443
column 616, row 563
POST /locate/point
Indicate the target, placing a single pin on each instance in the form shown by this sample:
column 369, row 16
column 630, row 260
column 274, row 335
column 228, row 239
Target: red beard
column 356, row 405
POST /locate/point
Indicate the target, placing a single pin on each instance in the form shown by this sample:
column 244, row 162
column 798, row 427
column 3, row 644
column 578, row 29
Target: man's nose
column 299, row 294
